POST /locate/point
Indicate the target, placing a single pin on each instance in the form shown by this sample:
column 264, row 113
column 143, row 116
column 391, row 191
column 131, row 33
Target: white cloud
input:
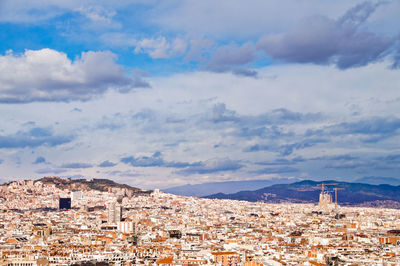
column 160, row 47
column 37, row 11
column 182, row 107
column 49, row 75
column 304, row 88
column 240, row 19
column 97, row 13
column 233, row 58
column 178, row 46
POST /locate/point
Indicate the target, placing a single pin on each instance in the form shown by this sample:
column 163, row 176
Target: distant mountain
column 85, row 184
column 375, row 180
column 308, row 191
column 204, row 189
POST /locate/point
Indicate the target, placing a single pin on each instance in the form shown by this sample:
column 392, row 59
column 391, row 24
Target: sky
column 160, row 93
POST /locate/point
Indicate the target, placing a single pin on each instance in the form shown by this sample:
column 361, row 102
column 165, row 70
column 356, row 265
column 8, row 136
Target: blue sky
column 163, row 93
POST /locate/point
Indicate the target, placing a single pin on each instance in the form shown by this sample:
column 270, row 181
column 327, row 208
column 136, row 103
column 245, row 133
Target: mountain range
column 308, row 191
column 376, row 180
column 229, row 187
column 204, row 189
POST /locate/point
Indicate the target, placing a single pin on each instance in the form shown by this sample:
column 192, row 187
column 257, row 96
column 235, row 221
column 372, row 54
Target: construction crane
column 336, row 189
column 329, row 184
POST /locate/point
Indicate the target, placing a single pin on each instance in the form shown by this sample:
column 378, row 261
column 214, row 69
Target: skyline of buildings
column 117, row 102
column 165, row 229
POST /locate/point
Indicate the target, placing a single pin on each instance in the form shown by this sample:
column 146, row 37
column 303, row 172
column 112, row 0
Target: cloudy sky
column 157, row 93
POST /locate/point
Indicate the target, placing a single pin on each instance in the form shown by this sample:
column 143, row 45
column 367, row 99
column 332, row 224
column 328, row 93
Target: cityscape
column 43, row 224
column 199, row 132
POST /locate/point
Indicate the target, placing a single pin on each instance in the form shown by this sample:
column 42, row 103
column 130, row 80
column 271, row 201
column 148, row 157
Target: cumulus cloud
column 200, row 167
column 111, row 122
column 258, row 147
column 49, row 75
column 269, row 132
column 126, row 173
column 374, row 125
column 160, row 47
column 32, row 138
column 76, row 165
column 373, row 128
column 365, row 165
column 355, row 16
column 50, row 171
column 392, row 158
column 39, row 160
column 396, row 58
column 97, row 13
column 345, row 157
column 76, row 109
column 282, row 161
column 212, row 166
column 321, row 40
column 138, row 80
column 198, row 49
column 107, row 164
column 232, row 58
column 277, row 170
column 348, row 165
column 37, row 11
column 155, row 160
column 236, row 18
column 288, row 149
column 220, row 113
column 285, row 149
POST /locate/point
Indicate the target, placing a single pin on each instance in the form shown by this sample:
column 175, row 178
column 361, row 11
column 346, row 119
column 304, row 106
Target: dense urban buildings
column 116, row 227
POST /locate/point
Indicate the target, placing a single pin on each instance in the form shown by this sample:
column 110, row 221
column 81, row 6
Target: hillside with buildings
column 86, row 184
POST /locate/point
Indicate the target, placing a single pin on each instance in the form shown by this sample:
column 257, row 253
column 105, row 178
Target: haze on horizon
column 163, row 93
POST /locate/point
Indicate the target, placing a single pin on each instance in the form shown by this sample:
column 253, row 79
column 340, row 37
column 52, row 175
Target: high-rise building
column 114, row 211
column 64, row 203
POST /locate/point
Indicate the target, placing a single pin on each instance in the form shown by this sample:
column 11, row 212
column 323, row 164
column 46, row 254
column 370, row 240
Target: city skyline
column 157, row 228
column 162, row 93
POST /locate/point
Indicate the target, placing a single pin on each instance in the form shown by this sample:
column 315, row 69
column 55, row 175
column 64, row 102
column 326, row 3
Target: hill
column 375, row 180
column 204, row 189
column 86, row 184
column 308, row 191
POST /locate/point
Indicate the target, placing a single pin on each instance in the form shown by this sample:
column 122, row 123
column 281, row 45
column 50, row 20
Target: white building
column 76, row 195
column 126, row 227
